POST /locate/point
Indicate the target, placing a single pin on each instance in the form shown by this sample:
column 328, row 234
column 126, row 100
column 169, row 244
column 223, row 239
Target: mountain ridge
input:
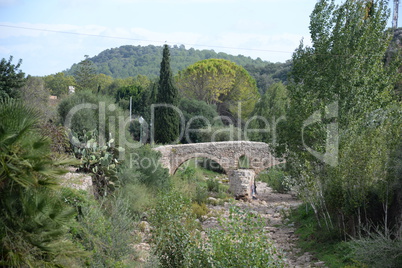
column 129, row 60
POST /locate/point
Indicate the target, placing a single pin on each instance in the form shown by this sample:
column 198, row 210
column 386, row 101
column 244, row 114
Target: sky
column 50, row 35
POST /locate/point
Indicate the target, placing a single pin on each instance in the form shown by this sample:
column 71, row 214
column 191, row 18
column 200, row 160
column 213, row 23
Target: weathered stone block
column 241, row 182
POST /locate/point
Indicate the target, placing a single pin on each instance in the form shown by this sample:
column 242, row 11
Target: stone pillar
column 241, row 182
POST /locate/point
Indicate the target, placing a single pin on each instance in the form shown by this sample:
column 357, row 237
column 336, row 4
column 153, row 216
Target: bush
column 87, row 117
column 173, row 224
column 220, row 133
column 238, row 242
column 103, row 228
column 379, row 249
column 33, row 218
column 192, row 110
column 199, row 210
column 276, row 179
column 139, row 197
column 201, row 194
column 213, row 185
column 145, row 163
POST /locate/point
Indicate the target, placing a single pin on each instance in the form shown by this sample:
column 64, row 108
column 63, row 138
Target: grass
column 326, row 245
column 198, row 184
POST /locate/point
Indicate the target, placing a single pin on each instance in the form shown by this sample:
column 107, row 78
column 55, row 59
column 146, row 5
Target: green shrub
column 34, row 220
column 220, row 133
column 201, row 194
column 86, row 118
column 199, row 210
column 139, row 198
column 174, row 224
column 276, row 179
column 211, row 165
column 239, row 242
column 103, row 228
column 379, row 249
column 213, row 185
column 145, row 163
column 192, row 110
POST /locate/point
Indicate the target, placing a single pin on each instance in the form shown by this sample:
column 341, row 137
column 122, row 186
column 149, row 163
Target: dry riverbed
column 271, row 206
column 274, row 207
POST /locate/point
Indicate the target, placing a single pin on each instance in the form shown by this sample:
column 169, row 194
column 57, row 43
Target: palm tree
column 32, row 217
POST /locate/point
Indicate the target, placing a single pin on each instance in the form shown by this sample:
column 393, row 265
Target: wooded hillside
column 126, row 61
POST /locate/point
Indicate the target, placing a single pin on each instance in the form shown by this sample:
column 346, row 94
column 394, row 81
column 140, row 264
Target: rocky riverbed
column 273, row 207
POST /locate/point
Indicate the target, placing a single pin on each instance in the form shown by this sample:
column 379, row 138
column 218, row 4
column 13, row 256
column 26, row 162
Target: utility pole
column 131, row 101
column 395, row 16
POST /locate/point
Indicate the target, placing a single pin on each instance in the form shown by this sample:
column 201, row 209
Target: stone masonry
column 241, row 182
column 227, row 155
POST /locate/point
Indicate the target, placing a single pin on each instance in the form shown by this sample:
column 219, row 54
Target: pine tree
column 166, row 118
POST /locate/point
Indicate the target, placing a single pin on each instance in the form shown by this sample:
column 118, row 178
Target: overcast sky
column 269, row 29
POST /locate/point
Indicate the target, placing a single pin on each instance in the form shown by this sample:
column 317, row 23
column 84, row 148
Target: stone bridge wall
column 226, row 154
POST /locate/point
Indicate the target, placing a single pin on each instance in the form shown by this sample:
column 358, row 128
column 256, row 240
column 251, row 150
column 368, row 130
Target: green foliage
column 101, row 161
column 166, row 119
column 140, row 178
column 140, row 92
column 210, row 165
column 342, row 107
column 35, row 94
column 220, row 133
column 130, row 61
column 326, row 245
column 378, row 249
column 60, row 144
column 173, row 231
column 213, row 185
column 199, row 210
column 239, row 243
column 58, row 83
column 219, row 82
column 276, row 179
column 269, row 74
column 85, row 75
column 269, row 114
column 197, row 115
column 103, row 228
column 140, row 198
column 84, row 111
column 244, row 162
column 33, row 219
column 146, row 161
column 11, row 79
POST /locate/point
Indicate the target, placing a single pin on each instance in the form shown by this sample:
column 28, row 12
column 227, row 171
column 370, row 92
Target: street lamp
column 141, row 120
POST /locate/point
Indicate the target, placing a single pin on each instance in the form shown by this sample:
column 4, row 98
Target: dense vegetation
column 334, row 111
column 130, row 61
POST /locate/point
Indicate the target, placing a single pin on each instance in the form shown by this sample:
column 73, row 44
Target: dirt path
column 272, row 207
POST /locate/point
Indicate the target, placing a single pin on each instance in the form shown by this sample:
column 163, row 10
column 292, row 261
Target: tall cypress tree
column 166, row 118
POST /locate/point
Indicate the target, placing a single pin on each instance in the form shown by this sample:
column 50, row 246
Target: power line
column 164, row 42
column 140, row 40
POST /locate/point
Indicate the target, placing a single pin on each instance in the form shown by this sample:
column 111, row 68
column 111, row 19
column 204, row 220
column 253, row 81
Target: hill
column 126, row 61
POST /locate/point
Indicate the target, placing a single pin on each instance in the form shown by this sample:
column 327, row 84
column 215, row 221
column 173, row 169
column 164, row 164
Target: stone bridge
column 228, row 155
